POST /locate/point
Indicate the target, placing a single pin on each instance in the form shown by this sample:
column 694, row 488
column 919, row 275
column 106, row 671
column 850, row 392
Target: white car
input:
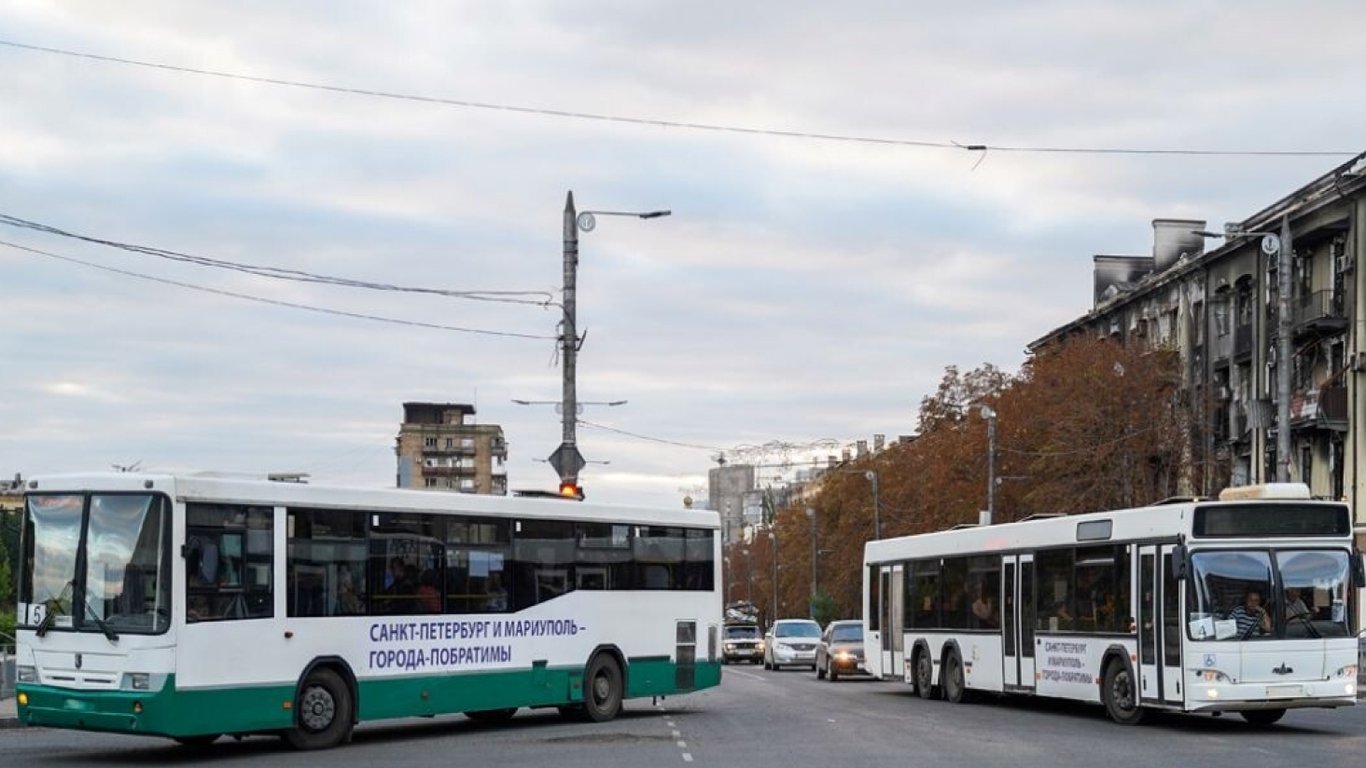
column 791, row 642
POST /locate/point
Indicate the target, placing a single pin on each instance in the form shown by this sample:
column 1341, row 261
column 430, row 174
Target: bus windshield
column 116, row 584
column 1258, row 594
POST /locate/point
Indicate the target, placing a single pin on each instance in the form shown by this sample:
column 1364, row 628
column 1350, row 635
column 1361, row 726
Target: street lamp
column 566, row 459
column 871, row 476
column 773, row 546
column 990, row 416
column 811, row 515
column 1281, row 247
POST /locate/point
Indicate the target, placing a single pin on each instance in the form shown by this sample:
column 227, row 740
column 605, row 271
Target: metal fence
column 6, row 666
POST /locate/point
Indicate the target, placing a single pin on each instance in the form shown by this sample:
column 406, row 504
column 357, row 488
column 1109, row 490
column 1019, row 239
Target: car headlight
column 843, row 655
column 26, row 674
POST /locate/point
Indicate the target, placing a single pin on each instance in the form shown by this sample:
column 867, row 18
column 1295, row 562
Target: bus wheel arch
column 604, row 684
column 325, row 706
column 1119, row 690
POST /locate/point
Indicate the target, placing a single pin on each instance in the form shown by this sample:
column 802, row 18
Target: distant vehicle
column 791, row 642
column 742, row 642
column 742, row 612
column 840, row 651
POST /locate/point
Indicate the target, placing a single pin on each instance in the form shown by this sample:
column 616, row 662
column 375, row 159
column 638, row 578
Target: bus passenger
column 984, row 608
column 1294, row 604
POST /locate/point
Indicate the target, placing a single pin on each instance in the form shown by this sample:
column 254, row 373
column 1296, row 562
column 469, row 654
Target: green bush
column 7, row 622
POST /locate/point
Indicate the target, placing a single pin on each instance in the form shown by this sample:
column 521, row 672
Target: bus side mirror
column 1358, row 571
column 1179, row 562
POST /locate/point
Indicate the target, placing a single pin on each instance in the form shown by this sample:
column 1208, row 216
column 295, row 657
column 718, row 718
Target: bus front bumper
column 156, row 713
column 1223, row 697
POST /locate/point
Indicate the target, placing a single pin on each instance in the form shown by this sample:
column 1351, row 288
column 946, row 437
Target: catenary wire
column 277, row 302
column 713, row 127
column 506, row 297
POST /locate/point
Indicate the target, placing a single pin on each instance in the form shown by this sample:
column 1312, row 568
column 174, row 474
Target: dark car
column 742, row 642
column 840, row 651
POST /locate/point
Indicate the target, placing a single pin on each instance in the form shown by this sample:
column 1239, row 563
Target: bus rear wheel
column 924, row 675
column 1121, row 695
column 1262, row 716
column 323, row 712
column 602, row 694
column 955, row 689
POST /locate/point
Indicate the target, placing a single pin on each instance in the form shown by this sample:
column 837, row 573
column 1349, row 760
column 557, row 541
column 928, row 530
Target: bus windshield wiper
column 53, row 607
column 110, row 634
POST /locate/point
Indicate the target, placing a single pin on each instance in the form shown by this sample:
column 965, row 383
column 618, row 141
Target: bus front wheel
column 323, row 712
column 602, row 695
column 1120, row 695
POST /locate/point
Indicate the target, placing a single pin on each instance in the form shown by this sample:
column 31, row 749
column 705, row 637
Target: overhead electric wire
column 278, row 302
column 278, row 273
column 648, row 438
column 658, row 123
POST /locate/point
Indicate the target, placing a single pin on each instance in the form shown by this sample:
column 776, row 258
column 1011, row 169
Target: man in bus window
column 1294, row 604
column 984, row 607
column 1252, row 618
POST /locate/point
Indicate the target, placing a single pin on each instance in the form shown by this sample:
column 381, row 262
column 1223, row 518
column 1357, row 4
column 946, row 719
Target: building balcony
column 1222, row 349
column 448, row 471
column 1321, row 408
column 1318, row 314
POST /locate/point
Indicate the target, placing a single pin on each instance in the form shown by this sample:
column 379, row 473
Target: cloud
column 802, row 289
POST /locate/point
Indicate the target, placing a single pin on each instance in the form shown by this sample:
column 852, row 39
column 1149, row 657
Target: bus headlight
column 1348, row 671
column 26, row 674
column 1215, row 676
column 138, row 681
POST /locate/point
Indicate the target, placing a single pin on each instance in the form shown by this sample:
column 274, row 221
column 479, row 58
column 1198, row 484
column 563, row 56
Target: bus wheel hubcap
column 317, row 709
column 601, row 689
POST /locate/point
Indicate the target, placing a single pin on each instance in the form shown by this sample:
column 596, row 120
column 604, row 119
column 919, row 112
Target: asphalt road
column 759, row 719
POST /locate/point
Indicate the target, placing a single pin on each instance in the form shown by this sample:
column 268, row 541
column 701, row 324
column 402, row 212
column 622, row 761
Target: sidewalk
column 9, row 717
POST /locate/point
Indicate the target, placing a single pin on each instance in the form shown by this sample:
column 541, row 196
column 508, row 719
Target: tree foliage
column 1087, row 425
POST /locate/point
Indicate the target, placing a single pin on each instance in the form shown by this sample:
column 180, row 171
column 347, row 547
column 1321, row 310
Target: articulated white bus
column 192, row 606
column 1235, row 605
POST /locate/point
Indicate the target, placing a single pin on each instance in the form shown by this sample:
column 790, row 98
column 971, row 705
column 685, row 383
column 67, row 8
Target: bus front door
column 1017, row 622
column 893, row 632
column 1159, row 626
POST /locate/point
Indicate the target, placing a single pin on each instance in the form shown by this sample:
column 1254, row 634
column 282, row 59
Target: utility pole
column 1284, row 256
column 569, row 342
column 877, row 504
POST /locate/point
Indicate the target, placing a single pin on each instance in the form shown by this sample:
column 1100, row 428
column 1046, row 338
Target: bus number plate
column 1284, row 691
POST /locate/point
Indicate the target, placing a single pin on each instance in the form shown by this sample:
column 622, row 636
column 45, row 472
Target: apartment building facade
column 440, row 447
column 1217, row 308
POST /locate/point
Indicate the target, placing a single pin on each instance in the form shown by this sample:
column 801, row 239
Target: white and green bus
column 1238, row 605
column 191, row 606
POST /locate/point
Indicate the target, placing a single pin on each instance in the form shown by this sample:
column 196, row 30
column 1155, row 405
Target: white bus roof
column 238, row 489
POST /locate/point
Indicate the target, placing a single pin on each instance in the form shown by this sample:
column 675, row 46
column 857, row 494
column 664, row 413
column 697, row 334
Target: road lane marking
column 687, row 758
column 750, row 675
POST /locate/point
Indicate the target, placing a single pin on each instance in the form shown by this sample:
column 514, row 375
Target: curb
column 10, row 722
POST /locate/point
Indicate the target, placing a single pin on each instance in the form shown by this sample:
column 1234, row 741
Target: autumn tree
column 1086, row 425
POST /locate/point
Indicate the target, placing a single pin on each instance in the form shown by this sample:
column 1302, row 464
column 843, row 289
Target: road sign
column 567, row 460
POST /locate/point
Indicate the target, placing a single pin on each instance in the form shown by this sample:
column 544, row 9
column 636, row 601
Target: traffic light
column 571, row 490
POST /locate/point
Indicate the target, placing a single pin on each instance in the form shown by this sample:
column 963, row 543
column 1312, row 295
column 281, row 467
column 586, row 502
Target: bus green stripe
column 169, row 712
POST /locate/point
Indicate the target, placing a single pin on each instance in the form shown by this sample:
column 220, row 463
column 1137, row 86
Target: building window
column 429, row 442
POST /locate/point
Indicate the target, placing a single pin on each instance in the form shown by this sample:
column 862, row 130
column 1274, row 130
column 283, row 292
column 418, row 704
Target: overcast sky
column 803, row 290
